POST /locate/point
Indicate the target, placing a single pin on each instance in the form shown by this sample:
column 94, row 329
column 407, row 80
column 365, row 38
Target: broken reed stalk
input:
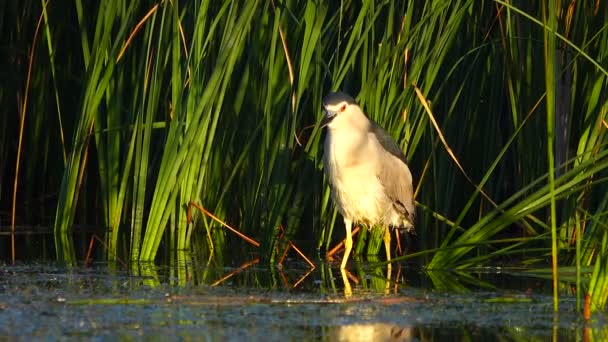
column 340, row 244
column 241, row 235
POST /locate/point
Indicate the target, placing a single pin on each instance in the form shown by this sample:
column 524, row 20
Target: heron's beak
column 329, row 115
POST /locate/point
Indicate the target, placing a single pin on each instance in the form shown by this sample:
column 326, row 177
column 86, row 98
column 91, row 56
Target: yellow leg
column 348, row 242
column 387, row 243
column 348, row 290
column 387, row 246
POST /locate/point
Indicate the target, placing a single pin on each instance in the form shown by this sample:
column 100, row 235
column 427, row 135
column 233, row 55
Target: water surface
column 106, row 302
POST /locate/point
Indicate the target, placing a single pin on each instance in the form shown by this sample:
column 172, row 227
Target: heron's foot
column 348, row 291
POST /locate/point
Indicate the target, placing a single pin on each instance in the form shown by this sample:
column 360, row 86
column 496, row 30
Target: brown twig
column 397, row 276
column 284, row 255
column 398, row 238
column 240, row 269
column 302, row 278
column 283, row 278
column 206, row 212
column 341, row 244
column 302, row 254
column 292, row 245
column 90, row 250
column 351, row 276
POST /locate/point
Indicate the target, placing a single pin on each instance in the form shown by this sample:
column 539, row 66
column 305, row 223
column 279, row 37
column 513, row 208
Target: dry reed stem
column 284, row 255
column 398, row 238
column 302, row 254
column 427, row 108
column 340, row 244
column 351, row 276
column 289, row 64
column 134, row 32
column 21, row 125
column 284, row 279
column 90, row 250
column 206, row 212
column 302, row 278
column 183, row 37
column 241, row 235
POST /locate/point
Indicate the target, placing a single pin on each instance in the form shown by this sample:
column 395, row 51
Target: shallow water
column 105, row 302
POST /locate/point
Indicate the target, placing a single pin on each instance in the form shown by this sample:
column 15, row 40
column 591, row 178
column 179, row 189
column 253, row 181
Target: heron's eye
column 342, row 108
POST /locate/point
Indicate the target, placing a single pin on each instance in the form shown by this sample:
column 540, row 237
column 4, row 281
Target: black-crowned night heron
column 370, row 181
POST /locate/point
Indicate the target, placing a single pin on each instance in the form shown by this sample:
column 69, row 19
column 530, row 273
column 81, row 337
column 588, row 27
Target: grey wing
column 387, row 142
column 394, row 175
column 396, row 179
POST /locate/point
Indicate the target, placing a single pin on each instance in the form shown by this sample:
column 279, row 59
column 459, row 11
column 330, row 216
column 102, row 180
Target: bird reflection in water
column 371, row 332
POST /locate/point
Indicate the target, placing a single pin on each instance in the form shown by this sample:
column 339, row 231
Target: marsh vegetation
column 118, row 114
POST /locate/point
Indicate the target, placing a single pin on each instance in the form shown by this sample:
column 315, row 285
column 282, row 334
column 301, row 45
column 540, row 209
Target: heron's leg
column 348, row 242
column 387, row 243
column 387, row 246
column 348, row 290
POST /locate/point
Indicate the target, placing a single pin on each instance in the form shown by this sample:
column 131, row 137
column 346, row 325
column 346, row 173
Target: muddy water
column 295, row 303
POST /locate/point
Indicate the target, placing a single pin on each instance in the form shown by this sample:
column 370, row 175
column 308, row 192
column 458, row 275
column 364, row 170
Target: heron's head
column 339, row 107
